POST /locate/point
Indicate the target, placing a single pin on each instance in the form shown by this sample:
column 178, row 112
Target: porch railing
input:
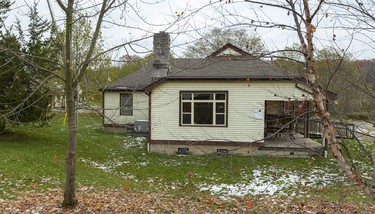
column 342, row 129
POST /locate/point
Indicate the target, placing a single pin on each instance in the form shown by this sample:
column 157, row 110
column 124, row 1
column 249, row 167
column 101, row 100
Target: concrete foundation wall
column 232, row 150
column 114, row 129
column 201, row 149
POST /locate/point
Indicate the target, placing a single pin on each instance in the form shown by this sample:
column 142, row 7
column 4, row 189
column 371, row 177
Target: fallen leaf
column 126, row 187
column 249, row 203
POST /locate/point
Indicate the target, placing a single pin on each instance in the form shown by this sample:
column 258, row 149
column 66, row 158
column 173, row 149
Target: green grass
column 34, row 158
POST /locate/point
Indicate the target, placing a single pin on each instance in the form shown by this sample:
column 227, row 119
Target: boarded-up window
column 126, row 104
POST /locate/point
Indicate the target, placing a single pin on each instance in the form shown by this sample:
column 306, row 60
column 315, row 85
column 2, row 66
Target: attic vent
column 222, row 151
column 158, row 64
column 183, row 151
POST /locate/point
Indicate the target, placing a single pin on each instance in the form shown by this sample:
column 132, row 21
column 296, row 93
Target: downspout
column 103, row 112
column 149, row 122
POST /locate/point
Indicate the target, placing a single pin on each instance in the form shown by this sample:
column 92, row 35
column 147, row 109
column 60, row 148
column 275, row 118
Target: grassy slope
column 33, row 158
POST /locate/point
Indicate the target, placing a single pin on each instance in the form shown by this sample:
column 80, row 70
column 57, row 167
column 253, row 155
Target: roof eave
column 150, row 87
column 122, row 89
column 231, row 78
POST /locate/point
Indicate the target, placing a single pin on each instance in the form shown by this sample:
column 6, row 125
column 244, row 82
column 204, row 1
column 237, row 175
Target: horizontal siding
column 244, row 98
column 112, row 108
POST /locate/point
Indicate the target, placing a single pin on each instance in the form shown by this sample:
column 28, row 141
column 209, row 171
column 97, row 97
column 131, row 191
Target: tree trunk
column 329, row 132
column 70, row 189
column 69, row 193
column 350, row 171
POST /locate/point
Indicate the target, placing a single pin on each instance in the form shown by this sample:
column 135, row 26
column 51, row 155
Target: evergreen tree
column 4, row 8
column 21, row 97
column 24, row 97
column 40, row 48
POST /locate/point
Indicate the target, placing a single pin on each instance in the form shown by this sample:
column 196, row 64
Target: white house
column 228, row 102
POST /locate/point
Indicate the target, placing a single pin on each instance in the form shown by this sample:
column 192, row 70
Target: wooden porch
column 287, row 130
column 291, row 144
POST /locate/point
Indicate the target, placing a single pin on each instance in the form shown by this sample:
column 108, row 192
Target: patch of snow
column 104, row 167
column 272, row 181
column 143, row 163
column 130, row 142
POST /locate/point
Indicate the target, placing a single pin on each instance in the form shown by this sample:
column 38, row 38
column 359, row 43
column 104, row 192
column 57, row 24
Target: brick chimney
column 161, row 51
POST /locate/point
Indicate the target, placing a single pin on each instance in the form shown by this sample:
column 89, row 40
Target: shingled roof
column 136, row 81
column 227, row 67
column 244, row 67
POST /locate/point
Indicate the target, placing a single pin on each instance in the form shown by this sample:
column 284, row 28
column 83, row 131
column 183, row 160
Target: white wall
column 229, row 51
column 112, row 108
column 244, row 98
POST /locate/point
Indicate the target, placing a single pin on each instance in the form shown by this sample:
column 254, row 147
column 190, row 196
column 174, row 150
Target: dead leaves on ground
column 125, row 201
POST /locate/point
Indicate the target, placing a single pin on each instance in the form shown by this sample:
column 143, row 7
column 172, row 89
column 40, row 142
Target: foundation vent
column 183, row 151
column 222, row 151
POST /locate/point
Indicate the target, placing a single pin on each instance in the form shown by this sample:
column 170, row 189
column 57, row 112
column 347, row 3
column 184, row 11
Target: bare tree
column 304, row 19
column 357, row 16
column 100, row 14
column 74, row 74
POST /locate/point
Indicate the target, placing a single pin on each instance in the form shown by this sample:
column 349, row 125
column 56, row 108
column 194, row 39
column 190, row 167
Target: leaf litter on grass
column 92, row 200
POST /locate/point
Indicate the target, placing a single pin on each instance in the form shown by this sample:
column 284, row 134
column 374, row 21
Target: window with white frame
column 203, row 108
column 126, row 104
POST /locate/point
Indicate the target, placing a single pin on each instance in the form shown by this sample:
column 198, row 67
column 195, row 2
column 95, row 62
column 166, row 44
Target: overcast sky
column 143, row 18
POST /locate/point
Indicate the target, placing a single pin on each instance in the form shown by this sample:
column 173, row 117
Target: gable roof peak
column 229, row 50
